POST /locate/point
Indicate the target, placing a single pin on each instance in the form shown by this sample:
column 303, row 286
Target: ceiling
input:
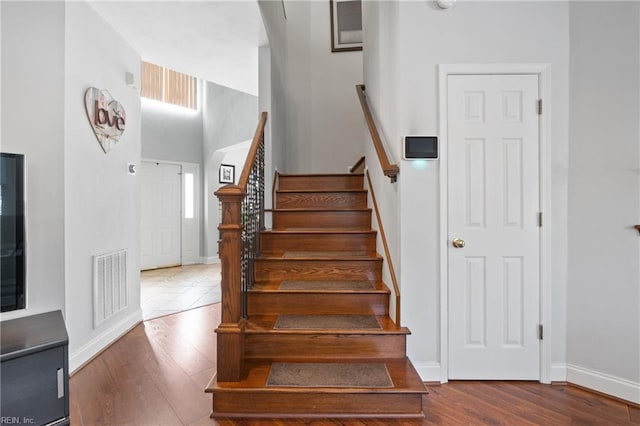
column 213, row 40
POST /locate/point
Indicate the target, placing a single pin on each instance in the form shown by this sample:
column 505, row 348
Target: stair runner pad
column 344, row 375
column 324, row 254
column 326, row 285
column 324, row 229
column 315, row 322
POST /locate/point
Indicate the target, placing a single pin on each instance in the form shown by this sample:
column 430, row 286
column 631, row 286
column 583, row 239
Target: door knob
column 458, row 243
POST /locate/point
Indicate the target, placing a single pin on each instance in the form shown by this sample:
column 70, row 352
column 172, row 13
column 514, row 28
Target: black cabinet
column 34, row 363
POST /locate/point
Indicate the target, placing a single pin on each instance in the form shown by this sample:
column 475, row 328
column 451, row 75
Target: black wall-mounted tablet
column 420, row 147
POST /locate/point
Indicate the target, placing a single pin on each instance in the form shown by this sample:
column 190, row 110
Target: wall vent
column 109, row 285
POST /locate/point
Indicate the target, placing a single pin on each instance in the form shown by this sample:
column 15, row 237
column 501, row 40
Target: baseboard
column 605, row 383
column 429, row 372
column 558, row 372
column 210, row 260
column 99, row 343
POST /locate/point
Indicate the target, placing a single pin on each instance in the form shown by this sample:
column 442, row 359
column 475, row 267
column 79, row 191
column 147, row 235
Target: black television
column 12, row 232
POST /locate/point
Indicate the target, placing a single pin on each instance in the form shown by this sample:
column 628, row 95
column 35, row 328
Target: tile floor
column 170, row 290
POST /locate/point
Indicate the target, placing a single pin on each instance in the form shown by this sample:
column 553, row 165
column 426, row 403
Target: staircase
column 319, row 341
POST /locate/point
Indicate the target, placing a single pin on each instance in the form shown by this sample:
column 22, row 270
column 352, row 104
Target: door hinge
column 539, row 106
column 540, row 332
column 540, row 219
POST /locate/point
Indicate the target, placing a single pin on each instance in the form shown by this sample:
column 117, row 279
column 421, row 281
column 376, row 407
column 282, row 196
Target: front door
column 160, row 218
column 493, row 230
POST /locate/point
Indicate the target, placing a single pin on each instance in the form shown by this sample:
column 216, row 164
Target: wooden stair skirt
column 318, row 313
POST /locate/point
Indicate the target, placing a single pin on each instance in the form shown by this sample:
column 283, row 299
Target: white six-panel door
column 161, row 215
column 493, row 193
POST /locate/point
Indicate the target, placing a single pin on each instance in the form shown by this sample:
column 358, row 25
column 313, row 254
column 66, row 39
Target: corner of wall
column 102, row 200
column 83, row 355
column 607, row 384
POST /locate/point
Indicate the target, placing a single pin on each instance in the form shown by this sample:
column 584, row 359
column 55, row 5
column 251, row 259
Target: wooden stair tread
column 317, row 210
column 320, row 230
column 320, row 256
column 403, row 375
column 315, row 231
column 312, row 175
column 262, row 324
column 319, row 191
column 274, row 287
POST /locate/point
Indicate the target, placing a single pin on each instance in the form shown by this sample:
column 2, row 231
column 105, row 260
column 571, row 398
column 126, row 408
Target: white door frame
column 197, row 201
column 541, row 70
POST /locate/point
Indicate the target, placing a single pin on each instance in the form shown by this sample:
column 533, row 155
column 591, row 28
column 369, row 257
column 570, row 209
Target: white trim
column 605, row 383
column 444, row 70
column 558, row 372
column 99, row 343
column 429, row 371
column 210, row 260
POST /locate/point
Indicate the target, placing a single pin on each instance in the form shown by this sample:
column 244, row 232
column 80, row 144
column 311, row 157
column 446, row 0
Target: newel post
column 231, row 328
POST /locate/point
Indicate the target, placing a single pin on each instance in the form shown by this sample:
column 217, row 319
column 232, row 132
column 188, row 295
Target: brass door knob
column 458, row 243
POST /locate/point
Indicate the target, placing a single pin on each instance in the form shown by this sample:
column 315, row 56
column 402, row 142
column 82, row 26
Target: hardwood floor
column 156, row 374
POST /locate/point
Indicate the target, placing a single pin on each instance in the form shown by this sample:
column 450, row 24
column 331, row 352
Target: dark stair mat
column 326, row 285
column 343, row 375
column 327, row 322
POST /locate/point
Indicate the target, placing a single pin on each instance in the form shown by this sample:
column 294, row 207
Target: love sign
column 106, row 115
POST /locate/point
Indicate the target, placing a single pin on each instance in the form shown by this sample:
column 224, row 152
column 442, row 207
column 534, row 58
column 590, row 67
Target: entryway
column 171, row 279
column 169, row 214
column 491, row 175
column 170, row 290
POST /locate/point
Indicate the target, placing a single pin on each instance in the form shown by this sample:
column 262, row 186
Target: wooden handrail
column 251, row 156
column 390, row 170
column 358, row 167
column 387, row 252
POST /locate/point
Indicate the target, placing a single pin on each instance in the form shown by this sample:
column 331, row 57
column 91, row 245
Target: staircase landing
column 252, row 397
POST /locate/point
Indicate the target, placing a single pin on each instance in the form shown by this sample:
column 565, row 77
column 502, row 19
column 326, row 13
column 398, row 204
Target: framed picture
column 346, row 25
column 227, row 173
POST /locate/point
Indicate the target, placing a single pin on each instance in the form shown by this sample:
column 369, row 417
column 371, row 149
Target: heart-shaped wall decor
column 106, row 115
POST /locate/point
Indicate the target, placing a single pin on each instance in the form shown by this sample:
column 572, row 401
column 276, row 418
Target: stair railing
column 387, row 252
column 242, row 219
column 390, row 170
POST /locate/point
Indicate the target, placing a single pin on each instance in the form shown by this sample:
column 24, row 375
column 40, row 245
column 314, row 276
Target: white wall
column 273, row 66
column 102, row 199
column 175, row 134
column 229, row 117
column 81, row 202
column 33, row 124
column 315, row 110
column 603, row 306
column 323, row 113
column 170, row 132
column 264, row 105
column 405, row 99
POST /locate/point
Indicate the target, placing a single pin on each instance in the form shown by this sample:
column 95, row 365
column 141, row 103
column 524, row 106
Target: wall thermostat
column 420, row 148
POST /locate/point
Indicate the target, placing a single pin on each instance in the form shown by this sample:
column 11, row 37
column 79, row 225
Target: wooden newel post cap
column 229, row 193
